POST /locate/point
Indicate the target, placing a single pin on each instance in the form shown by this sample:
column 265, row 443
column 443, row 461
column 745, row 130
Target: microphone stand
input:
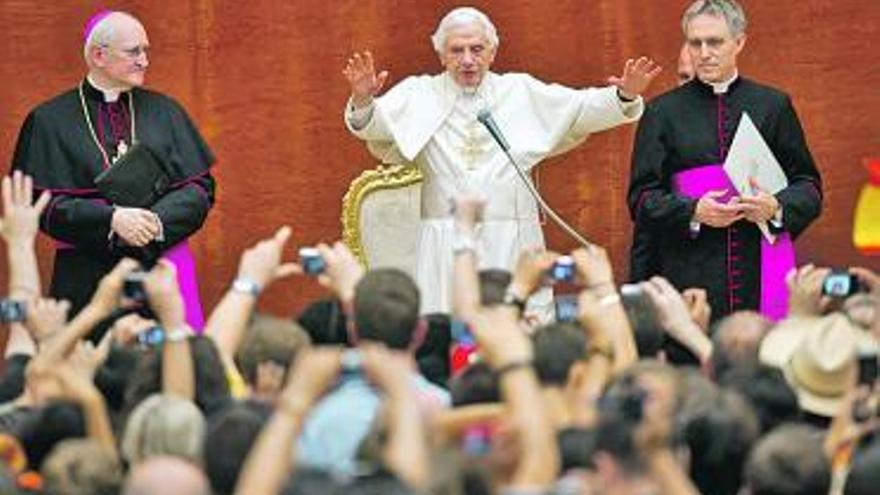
column 486, row 119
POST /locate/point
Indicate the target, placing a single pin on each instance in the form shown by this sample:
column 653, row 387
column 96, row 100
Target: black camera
column 625, row 400
column 133, row 286
column 841, row 284
column 311, row 261
column 12, row 311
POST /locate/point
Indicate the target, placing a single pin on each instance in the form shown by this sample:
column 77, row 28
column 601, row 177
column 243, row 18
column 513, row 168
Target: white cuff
column 358, row 118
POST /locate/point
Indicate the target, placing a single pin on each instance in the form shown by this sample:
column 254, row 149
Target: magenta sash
column 777, row 259
column 184, row 261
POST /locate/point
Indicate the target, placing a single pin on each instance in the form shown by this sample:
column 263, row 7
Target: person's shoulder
column 764, row 91
column 60, row 102
column 151, row 96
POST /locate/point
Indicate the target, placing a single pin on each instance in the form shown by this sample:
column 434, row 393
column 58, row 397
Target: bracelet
column 609, row 299
column 513, row 366
column 605, row 351
column 512, row 299
column 246, row 286
column 178, row 334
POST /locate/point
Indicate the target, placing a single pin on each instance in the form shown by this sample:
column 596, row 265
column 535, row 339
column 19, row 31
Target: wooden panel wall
column 262, row 80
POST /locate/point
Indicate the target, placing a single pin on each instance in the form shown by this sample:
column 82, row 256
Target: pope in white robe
column 431, row 122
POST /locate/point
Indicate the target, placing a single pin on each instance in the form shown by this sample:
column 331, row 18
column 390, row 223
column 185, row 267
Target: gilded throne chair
column 381, row 214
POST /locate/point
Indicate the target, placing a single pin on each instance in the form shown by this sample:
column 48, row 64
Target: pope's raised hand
column 361, row 75
column 637, row 76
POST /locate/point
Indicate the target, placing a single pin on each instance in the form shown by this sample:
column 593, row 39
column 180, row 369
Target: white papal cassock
column 431, row 122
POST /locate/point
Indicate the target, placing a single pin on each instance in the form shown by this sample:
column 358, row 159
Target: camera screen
column 838, row 284
column 566, row 307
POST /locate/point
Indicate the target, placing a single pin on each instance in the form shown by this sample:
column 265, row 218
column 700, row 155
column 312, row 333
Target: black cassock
column 57, row 148
column 691, row 127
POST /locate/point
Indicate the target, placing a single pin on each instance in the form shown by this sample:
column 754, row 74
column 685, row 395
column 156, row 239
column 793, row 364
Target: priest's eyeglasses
column 132, row 52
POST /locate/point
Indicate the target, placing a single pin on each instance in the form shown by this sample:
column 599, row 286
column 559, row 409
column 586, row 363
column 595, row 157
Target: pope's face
column 467, row 55
column 124, row 60
column 713, row 48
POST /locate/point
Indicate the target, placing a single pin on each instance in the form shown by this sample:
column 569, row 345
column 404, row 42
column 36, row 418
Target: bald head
column 104, row 26
column 155, row 475
column 115, row 50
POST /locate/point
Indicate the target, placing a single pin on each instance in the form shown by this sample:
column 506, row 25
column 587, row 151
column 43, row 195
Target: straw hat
column 818, row 357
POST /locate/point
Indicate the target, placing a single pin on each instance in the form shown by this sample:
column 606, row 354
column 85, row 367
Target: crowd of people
column 359, row 393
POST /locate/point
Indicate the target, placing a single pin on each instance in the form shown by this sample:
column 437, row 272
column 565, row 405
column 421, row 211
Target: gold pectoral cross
column 121, row 149
column 472, row 148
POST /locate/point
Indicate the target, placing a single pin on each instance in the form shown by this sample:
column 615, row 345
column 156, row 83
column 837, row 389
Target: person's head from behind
column 386, row 308
column 229, row 437
column 157, row 475
column 310, row 481
column 164, row 425
column 115, row 50
column 766, row 389
column 212, row 386
column 466, row 41
column 719, row 438
column 81, row 467
column 737, row 340
column 715, row 34
column 476, row 384
column 558, row 350
column 45, row 427
column 269, row 346
column 789, row 461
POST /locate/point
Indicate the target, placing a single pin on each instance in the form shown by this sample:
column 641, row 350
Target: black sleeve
column 184, row 209
column 84, row 223
column 651, row 200
column 802, row 200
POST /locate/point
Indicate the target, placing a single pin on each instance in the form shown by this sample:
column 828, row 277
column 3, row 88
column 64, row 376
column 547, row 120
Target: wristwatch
column 246, row 286
column 462, row 243
column 512, row 299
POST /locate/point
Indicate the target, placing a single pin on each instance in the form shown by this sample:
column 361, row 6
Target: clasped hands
column 136, row 226
column 759, row 208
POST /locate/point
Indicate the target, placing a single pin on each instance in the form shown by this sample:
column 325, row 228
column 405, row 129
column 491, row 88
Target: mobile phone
column 566, row 307
column 12, row 311
column 562, row 269
column 133, row 286
column 840, row 284
column 311, row 261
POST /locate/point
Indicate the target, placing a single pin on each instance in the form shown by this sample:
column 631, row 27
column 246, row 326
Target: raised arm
column 178, row 368
column 259, row 266
column 19, row 227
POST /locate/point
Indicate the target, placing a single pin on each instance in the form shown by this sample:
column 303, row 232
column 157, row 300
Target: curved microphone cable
column 485, row 118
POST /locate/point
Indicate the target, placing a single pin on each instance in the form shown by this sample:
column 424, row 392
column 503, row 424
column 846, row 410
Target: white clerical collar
column 110, row 95
column 469, row 92
column 722, row 87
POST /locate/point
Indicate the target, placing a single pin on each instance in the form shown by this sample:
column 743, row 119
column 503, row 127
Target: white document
column 750, row 157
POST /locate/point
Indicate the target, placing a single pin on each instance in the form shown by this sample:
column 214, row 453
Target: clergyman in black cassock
column 66, row 142
column 706, row 235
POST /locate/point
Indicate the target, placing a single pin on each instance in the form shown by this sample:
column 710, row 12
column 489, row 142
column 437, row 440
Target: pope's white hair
column 463, row 16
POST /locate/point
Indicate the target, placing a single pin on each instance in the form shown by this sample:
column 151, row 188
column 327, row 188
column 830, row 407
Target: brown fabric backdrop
column 263, row 82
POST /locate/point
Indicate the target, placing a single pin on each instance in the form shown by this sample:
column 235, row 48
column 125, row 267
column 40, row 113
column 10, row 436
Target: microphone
column 485, row 118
